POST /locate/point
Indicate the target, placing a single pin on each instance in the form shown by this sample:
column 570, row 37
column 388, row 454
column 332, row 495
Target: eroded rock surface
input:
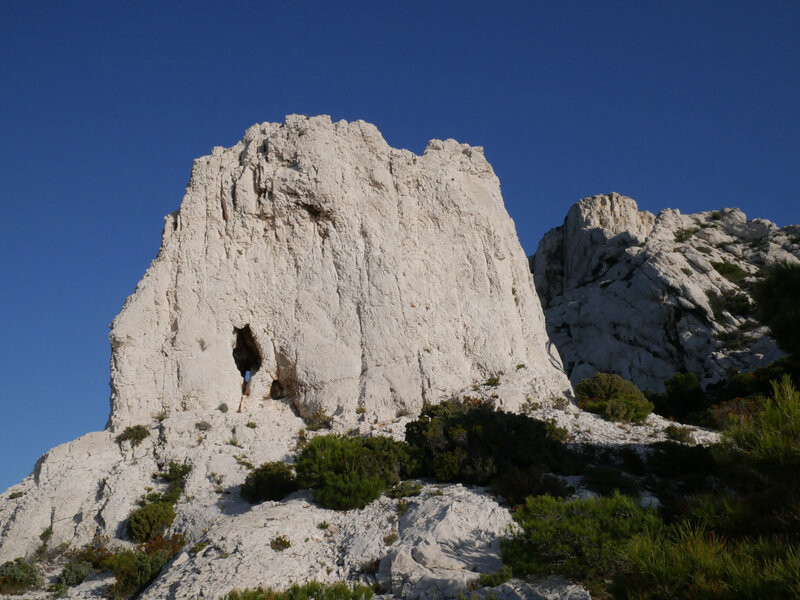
column 644, row 297
column 313, row 262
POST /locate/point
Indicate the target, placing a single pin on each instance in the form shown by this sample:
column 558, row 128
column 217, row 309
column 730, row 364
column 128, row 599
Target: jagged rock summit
column 314, row 263
column 644, row 297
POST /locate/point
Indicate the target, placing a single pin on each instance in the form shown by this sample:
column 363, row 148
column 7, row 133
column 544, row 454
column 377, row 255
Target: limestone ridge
column 311, row 262
column 643, row 296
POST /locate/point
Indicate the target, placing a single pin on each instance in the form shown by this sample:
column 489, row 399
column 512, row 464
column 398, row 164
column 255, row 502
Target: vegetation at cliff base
column 613, row 398
column 17, row 576
column 308, row 591
column 270, row 481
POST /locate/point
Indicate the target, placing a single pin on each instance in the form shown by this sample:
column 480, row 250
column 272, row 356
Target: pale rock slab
column 322, row 266
column 625, row 293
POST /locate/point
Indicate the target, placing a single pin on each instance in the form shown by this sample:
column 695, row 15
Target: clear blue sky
column 103, row 106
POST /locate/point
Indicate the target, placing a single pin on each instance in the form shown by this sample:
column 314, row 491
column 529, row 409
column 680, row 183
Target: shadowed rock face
column 644, row 297
column 351, row 273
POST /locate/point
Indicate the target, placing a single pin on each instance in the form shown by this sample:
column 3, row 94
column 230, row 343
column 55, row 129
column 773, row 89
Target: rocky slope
column 644, row 297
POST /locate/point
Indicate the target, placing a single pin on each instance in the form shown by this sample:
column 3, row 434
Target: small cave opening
column 276, row 390
column 246, row 355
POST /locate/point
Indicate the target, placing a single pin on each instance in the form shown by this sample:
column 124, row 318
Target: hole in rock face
column 276, row 390
column 246, row 355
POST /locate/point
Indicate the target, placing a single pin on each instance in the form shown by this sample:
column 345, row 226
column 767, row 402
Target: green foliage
column 613, row 398
column 252, row 424
column 404, row 489
column 735, row 303
column 150, row 521
column 716, row 215
column 134, row 570
column 390, row 538
column 682, row 395
column 308, row 591
column 493, row 381
column 18, row 576
column 349, row 473
column 683, row 235
column 202, row 425
column 280, row 543
column 15, row 495
column 478, row 445
column 495, row 579
column 223, row 408
column 777, row 298
column 731, row 272
column 270, row 481
column 74, row 572
column 135, row 433
column 690, row 563
column 175, row 472
column 582, row 540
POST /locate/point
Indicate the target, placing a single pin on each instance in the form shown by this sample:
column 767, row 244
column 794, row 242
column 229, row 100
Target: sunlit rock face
column 314, row 264
column 644, row 297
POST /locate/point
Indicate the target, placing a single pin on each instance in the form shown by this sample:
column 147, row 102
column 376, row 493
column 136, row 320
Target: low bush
column 682, row 396
column 777, row 298
column 479, row 445
column 495, row 579
column 308, row 591
column 349, row 473
column 405, row 489
column 270, row 481
column 280, row 543
column 731, row 272
column 683, row 235
column 582, row 540
column 319, row 420
column 607, row 481
column 135, row 434
column 74, row 572
column 150, row 521
column 613, row 398
column 134, row 570
column 678, row 434
column 175, row 472
column 736, row 303
column 17, row 576
column 690, row 563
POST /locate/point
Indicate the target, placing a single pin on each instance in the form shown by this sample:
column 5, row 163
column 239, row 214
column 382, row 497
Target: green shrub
column 135, row 433
column 134, row 570
column 18, row 576
column 495, row 579
column 735, row 303
column 682, row 395
column 777, row 298
column 270, row 481
column 150, row 521
column 405, row 489
column 683, row 235
column 731, row 272
column 582, row 540
column 625, row 408
column 479, row 445
column 690, row 563
column 280, row 543
column 74, row 572
column 604, row 386
column 223, row 408
column 175, row 472
column 308, row 591
column 349, row 473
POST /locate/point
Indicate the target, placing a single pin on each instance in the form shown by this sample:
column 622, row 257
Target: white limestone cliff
column 341, row 272
column 628, row 293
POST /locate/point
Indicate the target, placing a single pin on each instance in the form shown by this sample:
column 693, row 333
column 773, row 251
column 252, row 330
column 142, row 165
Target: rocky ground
column 645, row 297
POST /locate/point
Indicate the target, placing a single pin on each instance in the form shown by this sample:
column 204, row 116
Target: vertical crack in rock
column 246, row 355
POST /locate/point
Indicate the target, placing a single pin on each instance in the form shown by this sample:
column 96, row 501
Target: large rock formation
column 312, row 262
column 310, row 268
column 644, row 297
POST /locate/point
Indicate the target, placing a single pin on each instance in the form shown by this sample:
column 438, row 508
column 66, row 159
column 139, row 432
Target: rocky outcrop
column 312, row 263
column 310, row 269
column 644, row 297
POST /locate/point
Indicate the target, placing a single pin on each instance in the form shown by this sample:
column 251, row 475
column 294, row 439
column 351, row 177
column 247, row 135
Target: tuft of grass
column 280, row 543
column 252, row 424
column 133, row 433
column 678, row 434
column 390, row 538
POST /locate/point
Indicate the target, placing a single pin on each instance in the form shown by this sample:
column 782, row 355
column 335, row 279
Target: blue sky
column 103, row 106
